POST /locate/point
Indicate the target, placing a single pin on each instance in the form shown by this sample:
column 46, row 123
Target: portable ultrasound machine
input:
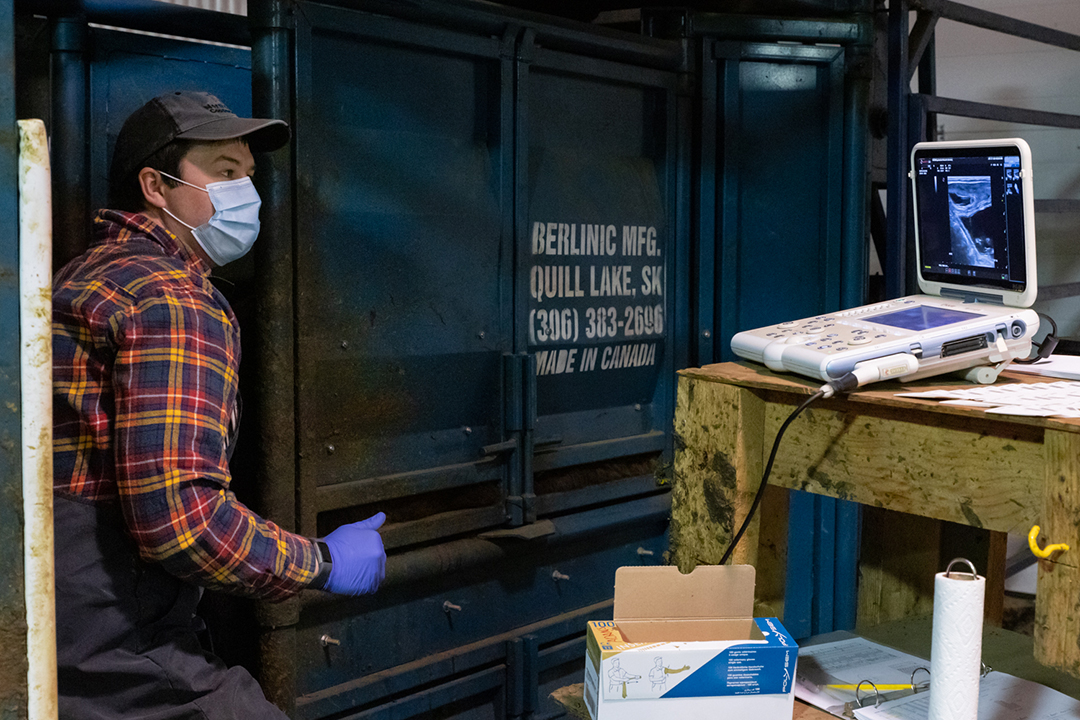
column 975, row 248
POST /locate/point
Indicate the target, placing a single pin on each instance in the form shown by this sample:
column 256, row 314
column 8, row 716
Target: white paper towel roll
column 956, row 645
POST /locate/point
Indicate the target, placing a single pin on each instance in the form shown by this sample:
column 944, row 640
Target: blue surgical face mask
column 231, row 231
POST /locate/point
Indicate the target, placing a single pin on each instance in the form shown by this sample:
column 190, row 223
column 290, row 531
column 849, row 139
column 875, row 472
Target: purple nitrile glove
column 358, row 560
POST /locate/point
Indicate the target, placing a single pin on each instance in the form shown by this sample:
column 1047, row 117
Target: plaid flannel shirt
column 145, row 358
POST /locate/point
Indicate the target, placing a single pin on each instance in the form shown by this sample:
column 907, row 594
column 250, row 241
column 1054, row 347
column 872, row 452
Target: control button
column 789, row 323
column 881, row 335
column 861, row 340
column 840, row 349
column 833, row 335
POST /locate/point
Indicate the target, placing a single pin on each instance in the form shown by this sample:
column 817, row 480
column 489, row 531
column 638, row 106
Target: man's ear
column 153, row 185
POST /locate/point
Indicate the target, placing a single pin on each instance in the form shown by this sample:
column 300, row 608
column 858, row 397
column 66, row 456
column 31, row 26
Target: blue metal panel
column 12, row 604
column 798, row 583
column 600, row 163
column 780, row 129
column 824, row 563
column 823, row 543
column 848, row 534
column 409, row 637
column 782, row 144
column 127, row 69
column 403, row 265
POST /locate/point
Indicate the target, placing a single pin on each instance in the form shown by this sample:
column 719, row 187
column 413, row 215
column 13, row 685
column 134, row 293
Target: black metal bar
column 1057, row 292
column 652, row 441
column 986, row 111
column 148, row 16
column 919, row 40
column 916, row 133
column 762, row 29
column 878, row 225
column 999, row 23
column 386, row 487
column 440, row 526
column 927, row 85
column 703, row 277
column 894, row 262
column 68, row 137
column 1057, row 206
column 859, row 76
column 274, row 343
column 440, row 561
column 726, row 293
column 525, row 369
column 595, row 494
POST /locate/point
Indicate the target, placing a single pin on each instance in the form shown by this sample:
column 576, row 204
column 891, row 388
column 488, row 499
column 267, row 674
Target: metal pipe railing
column 987, row 20
column 35, row 362
column 274, row 339
column 147, row 16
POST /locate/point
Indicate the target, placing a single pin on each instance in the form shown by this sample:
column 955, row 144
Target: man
column 146, row 352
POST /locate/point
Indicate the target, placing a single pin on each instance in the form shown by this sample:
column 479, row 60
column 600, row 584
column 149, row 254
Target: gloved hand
column 358, row 560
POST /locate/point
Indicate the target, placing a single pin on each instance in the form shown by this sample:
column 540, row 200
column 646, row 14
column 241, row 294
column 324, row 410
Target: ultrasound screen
column 971, row 217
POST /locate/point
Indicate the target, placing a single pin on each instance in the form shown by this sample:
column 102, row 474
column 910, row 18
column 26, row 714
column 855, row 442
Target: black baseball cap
column 187, row 115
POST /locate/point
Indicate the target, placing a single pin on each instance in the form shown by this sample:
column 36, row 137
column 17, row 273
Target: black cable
column 1046, row 347
column 768, row 469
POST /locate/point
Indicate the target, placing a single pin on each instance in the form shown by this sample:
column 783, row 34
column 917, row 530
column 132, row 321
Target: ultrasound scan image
column 969, row 206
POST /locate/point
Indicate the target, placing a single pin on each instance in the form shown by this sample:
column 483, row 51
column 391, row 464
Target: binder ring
column 915, row 688
column 877, row 695
column 974, row 574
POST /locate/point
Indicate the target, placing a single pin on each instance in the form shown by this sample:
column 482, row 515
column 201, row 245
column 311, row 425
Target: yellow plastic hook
column 1046, row 551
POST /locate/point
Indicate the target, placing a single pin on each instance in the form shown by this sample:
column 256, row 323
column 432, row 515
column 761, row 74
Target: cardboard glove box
column 688, row 646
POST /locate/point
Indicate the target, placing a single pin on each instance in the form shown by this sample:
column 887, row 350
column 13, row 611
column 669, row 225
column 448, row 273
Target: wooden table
column 919, row 457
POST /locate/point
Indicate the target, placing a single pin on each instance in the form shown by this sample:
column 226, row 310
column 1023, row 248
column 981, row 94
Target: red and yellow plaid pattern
column 145, row 358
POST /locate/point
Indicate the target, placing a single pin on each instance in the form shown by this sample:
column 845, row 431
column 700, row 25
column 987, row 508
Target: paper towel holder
column 974, row 574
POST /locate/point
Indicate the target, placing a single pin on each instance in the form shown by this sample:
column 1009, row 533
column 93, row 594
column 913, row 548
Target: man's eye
column 227, row 173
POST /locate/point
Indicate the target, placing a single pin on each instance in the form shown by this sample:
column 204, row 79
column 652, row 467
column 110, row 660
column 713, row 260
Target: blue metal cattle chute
column 428, row 142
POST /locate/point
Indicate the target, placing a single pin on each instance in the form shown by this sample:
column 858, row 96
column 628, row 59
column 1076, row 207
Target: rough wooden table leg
column 718, row 463
column 1057, row 602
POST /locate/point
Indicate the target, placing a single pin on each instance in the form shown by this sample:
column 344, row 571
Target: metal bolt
column 481, row 334
column 557, row 576
column 344, row 344
column 326, row 640
column 643, row 551
column 467, row 430
column 447, row 606
column 330, row 449
column 637, row 406
column 706, row 333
